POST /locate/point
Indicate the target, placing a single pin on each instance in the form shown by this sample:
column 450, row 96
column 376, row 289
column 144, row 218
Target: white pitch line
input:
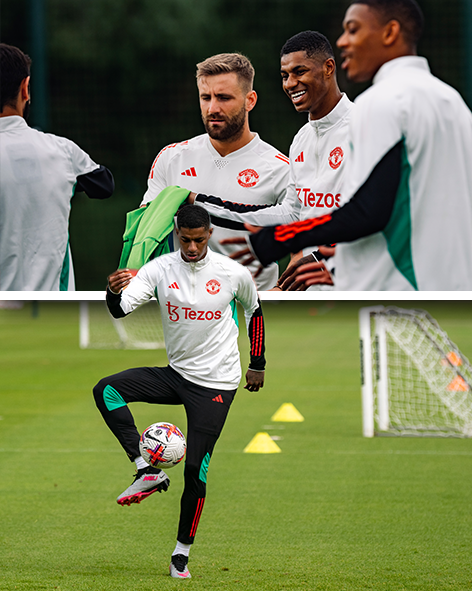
column 317, row 452
column 401, row 452
column 373, row 453
column 61, row 451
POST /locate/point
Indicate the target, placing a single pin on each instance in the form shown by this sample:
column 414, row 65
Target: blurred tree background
column 120, row 82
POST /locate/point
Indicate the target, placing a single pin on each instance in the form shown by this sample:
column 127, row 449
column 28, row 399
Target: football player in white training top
column 229, row 159
column 39, row 175
column 318, row 152
column 407, row 221
column 197, row 290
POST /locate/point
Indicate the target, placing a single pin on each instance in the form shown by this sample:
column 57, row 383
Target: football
column 162, row 445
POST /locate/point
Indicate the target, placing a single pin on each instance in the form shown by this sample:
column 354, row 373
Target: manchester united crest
column 336, row 158
column 213, row 286
column 248, row 178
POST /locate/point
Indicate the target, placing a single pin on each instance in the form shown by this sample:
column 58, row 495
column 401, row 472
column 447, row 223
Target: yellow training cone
column 261, row 443
column 287, row 413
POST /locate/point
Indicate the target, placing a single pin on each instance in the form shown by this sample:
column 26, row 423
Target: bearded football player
column 229, row 159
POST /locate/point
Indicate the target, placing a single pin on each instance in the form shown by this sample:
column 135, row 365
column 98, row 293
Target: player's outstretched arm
column 367, row 212
column 233, row 215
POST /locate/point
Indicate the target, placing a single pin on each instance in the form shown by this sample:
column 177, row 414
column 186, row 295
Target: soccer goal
column 415, row 381
column 142, row 329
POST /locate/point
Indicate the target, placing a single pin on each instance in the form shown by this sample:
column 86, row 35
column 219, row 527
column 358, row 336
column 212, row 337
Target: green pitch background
column 333, row 511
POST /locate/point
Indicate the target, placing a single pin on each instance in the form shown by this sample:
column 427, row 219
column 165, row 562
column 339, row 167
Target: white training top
column 427, row 244
column 198, row 309
column 255, row 174
column 38, row 172
column 317, row 165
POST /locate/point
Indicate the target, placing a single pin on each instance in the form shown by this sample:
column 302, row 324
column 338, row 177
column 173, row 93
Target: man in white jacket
column 406, row 222
column 319, row 150
column 230, row 158
column 197, row 291
column 39, row 175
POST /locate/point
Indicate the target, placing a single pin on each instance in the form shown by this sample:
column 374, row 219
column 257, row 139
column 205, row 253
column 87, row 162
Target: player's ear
column 251, row 100
column 24, row 89
column 391, row 33
column 329, row 67
column 210, row 232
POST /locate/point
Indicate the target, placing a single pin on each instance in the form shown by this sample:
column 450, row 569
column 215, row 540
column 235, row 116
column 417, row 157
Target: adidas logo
column 299, row 158
column 189, row 172
column 218, row 398
column 174, row 286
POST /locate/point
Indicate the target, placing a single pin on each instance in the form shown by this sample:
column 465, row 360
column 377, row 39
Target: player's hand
column 241, row 240
column 239, row 254
column 254, row 380
column 291, row 280
column 313, row 274
column 289, row 275
column 244, row 252
column 304, row 275
column 120, row 279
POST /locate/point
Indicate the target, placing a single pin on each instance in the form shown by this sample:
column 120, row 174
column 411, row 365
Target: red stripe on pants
column 196, row 519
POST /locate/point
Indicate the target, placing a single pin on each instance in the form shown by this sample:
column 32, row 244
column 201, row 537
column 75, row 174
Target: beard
column 231, row 131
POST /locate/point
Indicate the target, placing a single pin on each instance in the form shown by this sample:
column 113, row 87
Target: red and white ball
column 162, row 445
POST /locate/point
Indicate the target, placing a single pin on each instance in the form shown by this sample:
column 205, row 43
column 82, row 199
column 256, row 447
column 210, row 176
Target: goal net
column 142, row 329
column 415, row 381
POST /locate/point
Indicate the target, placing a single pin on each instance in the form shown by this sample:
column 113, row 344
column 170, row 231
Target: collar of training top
column 406, row 61
column 249, row 146
column 333, row 117
column 199, row 264
column 12, row 122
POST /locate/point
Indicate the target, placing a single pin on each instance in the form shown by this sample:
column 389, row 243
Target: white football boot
column 178, row 567
column 147, row 481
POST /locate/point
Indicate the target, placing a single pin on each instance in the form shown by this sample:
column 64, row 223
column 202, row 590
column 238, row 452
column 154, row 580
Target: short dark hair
column 14, row 68
column 406, row 12
column 193, row 216
column 314, row 44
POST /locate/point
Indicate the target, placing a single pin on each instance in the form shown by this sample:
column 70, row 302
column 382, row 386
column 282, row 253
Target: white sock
column 182, row 549
column 140, row 463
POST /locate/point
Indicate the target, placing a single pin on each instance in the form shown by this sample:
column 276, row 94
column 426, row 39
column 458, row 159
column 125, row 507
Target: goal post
column 414, row 379
column 142, row 329
column 366, row 370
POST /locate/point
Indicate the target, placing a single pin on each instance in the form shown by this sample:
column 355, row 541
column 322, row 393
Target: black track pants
column 206, row 410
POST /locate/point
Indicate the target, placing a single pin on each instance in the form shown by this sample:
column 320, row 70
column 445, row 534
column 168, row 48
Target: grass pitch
column 333, row 511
